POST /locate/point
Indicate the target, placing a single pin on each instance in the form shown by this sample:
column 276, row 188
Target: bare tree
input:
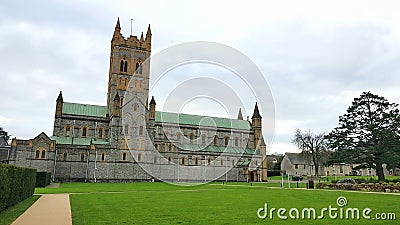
column 313, row 146
column 4, row 135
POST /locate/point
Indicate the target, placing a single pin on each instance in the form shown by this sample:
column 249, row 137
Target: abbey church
column 129, row 140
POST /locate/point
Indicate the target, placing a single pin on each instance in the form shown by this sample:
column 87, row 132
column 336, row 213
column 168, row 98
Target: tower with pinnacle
column 129, row 70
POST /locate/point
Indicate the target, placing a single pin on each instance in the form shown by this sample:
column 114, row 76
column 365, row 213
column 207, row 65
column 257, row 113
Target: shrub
column 16, row 184
column 373, row 187
column 322, row 185
column 346, row 181
column 272, row 173
column 345, row 186
column 43, row 179
column 297, row 178
column 361, row 180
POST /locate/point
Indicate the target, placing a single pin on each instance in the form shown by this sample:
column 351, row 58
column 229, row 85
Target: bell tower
column 256, row 126
column 128, row 66
column 129, row 71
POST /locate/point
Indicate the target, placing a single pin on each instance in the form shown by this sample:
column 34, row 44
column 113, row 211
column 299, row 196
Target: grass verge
column 218, row 204
column 9, row 215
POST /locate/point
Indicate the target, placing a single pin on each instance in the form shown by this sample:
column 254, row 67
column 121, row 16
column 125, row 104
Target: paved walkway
column 49, row 209
column 53, row 185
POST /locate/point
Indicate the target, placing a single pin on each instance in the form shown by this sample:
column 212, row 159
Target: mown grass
column 139, row 186
column 9, row 215
column 232, row 203
column 330, row 178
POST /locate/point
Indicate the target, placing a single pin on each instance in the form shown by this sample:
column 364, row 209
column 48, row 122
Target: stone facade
column 297, row 165
column 128, row 140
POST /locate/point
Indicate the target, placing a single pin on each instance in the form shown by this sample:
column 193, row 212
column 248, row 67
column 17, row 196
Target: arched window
column 196, row 161
column 222, row 162
column 84, row 132
column 183, row 161
column 43, row 154
column 226, row 140
column 139, row 67
column 124, row 156
column 139, row 157
column 100, row 132
column 67, row 130
column 169, row 159
column 233, row 162
column 215, row 140
column 103, row 156
column 37, row 154
column 126, row 66
column 82, row 156
column 209, row 160
column 65, row 156
column 121, row 66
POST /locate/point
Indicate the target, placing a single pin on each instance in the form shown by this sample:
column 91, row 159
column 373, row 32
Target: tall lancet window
column 126, row 66
column 123, row 66
column 139, row 67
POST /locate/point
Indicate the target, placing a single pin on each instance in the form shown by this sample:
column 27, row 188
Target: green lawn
column 12, row 213
column 330, row 178
column 232, row 203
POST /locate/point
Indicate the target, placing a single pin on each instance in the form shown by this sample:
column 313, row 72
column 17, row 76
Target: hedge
column 374, row 187
column 43, row 179
column 16, row 184
column 272, row 173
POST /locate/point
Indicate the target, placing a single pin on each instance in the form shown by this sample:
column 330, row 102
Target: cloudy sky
column 316, row 55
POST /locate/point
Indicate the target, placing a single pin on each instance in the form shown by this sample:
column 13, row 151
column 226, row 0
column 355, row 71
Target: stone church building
column 129, row 140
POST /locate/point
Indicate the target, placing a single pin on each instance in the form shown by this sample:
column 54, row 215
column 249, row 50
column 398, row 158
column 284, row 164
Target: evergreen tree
column 368, row 134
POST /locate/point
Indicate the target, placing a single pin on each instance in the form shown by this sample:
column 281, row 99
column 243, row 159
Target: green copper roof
column 77, row 141
column 244, row 164
column 208, row 121
column 216, row 149
column 84, row 109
